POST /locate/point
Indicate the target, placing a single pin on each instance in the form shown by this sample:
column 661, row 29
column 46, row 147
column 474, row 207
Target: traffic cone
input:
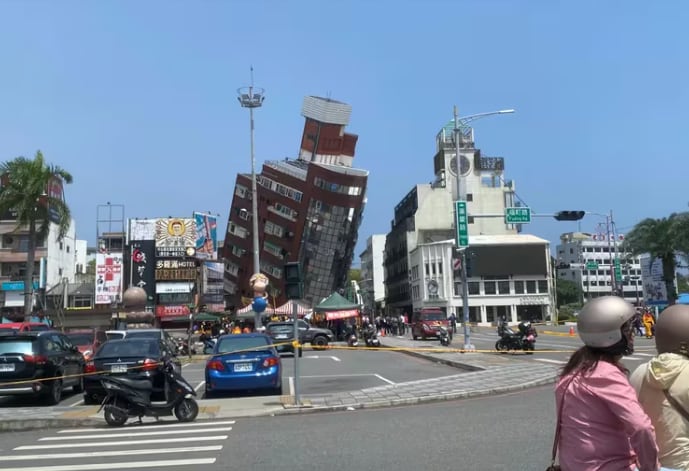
column 382, row 332
column 571, row 331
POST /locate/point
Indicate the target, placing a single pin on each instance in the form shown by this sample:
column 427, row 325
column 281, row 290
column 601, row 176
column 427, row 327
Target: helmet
column 672, row 330
column 600, row 324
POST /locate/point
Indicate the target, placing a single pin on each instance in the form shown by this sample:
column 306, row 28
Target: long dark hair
column 586, row 358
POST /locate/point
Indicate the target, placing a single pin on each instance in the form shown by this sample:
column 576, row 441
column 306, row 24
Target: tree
column 663, row 238
column 568, row 292
column 354, row 275
column 27, row 192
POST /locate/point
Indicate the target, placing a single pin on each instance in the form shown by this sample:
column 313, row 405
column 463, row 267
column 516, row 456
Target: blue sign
column 16, row 285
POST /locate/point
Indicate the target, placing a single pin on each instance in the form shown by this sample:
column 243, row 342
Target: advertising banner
column 176, row 310
column 206, row 236
column 175, row 269
column 108, row 277
column 142, row 229
column 212, row 294
column 655, row 291
column 175, row 237
column 56, row 192
column 143, row 267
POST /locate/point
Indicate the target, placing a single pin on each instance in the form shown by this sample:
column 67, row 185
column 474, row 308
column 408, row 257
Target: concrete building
column 373, row 273
column 426, row 214
column 510, row 277
column 310, row 209
column 579, row 249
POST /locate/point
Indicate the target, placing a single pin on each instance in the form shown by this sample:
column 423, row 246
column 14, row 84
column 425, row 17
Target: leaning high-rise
column 309, row 210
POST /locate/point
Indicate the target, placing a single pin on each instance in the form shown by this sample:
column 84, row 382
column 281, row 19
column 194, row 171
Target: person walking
column 662, row 385
column 601, row 424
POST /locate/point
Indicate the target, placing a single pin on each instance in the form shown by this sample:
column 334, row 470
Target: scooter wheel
column 499, row 346
column 114, row 417
column 187, row 410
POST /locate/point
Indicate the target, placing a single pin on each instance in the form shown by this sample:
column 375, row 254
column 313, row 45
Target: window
column 274, row 229
column 62, row 246
column 68, row 249
column 273, row 249
column 474, row 287
column 543, row 286
column 489, row 287
column 59, row 271
column 244, row 214
column 519, row 287
column 470, row 197
column 81, row 301
column 237, row 251
column 504, row 287
column 531, row 286
column 427, row 270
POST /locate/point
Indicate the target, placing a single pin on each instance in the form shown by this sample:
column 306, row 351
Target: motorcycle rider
column 667, row 376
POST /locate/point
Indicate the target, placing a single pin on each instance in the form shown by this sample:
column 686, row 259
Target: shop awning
column 174, row 287
column 335, row 315
column 288, row 308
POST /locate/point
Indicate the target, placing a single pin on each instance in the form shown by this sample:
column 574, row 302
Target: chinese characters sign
column 461, row 223
column 108, row 277
column 173, row 310
column 175, row 237
column 175, row 269
column 206, row 236
column 143, row 266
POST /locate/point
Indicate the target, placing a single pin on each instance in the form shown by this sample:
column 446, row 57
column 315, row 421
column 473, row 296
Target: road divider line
column 125, row 465
column 148, row 426
column 199, row 386
column 102, row 454
column 550, row 360
column 52, row 446
column 385, row 380
column 128, row 434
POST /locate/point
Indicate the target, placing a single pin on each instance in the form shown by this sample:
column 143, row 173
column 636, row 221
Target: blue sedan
column 244, row 362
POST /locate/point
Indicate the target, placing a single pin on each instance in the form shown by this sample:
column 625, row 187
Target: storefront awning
column 174, row 287
column 334, row 315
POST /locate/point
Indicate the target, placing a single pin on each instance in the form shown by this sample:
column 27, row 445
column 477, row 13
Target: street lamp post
column 462, row 196
column 252, row 97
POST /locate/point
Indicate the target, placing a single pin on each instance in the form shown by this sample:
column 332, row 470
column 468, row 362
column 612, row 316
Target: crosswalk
column 635, row 357
column 145, row 446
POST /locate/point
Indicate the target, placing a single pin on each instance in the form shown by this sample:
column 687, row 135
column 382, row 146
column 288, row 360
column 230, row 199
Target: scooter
column 353, row 340
column 132, row 398
column 444, row 336
column 371, row 337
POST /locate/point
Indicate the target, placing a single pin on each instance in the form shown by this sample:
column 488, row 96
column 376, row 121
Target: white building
column 372, row 271
column 81, row 256
column 511, row 278
column 588, row 260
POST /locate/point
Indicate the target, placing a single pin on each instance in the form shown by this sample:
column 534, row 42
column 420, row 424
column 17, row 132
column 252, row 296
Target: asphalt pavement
column 491, row 433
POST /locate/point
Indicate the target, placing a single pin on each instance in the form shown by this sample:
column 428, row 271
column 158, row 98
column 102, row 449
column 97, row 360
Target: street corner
column 50, row 420
column 233, row 407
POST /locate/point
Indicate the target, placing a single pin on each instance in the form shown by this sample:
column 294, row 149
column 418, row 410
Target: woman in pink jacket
column 603, row 427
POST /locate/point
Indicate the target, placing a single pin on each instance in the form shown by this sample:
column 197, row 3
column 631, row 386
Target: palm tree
column 28, row 191
column 663, row 238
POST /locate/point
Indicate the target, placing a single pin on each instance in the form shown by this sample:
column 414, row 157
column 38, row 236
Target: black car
column 30, row 362
column 134, row 358
column 282, row 334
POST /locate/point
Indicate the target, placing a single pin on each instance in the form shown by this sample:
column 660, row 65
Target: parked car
column 159, row 334
column 134, row 358
column 244, row 362
column 318, row 337
column 24, row 327
column 87, row 340
column 282, row 334
column 30, row 360
column 427, row 322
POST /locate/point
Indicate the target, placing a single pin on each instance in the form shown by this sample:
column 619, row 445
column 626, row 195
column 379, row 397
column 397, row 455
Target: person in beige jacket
column 668, row 374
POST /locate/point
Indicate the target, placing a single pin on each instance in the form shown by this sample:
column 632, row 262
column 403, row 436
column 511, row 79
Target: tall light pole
column 252, row 97
column 462, row 196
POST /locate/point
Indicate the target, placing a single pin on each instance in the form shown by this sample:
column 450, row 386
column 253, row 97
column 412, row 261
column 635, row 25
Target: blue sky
column 138, row 99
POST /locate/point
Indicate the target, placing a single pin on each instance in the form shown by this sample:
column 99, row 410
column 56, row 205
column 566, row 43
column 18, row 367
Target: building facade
column 426, row 214
column 372, row 282
column 510, row 277
column 309, row 210
column 589, row 261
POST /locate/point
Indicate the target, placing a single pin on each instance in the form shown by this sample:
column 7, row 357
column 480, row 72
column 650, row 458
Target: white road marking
column 199, row 386
column 291, row 385
column 127, row 465
column 78, row 403
column 385, row 380
column 634, row 357
column 317, row 357
column 122, row 443
column 638, row 354
column 550, row 360
column 94, row 454
column 126, row 433
column 147, row 426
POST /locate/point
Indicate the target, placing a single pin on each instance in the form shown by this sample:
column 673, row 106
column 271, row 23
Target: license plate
column 281, row 336
column 118, row 369
column 7, row 367
column 239, row 367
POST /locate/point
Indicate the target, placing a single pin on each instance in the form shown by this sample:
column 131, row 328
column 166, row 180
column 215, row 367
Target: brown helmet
column 672, row 330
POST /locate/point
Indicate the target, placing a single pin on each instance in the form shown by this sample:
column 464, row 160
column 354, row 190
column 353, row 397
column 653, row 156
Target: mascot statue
column 259, row 284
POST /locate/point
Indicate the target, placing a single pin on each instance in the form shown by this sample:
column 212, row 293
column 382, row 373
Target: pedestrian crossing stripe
column 125, row 465
column 101, row 454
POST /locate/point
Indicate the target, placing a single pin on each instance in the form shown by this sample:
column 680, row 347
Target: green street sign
column 461, row 224
column 517, row 215
column 592, row 265
column 618, row 271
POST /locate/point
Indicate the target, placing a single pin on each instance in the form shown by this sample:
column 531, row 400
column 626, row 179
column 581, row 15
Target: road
column 492, row 433
column 321, row 372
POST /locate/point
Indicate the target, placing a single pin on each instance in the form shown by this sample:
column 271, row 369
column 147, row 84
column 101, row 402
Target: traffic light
column 293, row 284
column 469, row 263
column 569, row 215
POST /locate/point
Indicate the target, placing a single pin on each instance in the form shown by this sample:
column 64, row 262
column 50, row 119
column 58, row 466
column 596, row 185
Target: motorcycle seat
column 134, row 383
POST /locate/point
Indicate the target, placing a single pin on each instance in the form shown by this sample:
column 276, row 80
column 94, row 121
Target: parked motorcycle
column 128, row 398
column 371, row 336
column 352, row 340
column 524, row 340
column 444, row 336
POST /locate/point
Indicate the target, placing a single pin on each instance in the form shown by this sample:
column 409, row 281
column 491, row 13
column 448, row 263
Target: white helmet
column 600, row 323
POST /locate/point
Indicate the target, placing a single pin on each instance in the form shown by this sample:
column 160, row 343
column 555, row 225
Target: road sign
column 618, row 271
column 592, row 265
column 517, row 215
column 461, row 224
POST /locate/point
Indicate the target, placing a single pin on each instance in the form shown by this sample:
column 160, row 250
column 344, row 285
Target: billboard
column 502, row 260
column 175, row 269
column 55, row 191
column 142, row 229
column 108, row 277
column 212, row 294
column 655, row 291
column 143, row 266
column 206, row 236
column 175, row 237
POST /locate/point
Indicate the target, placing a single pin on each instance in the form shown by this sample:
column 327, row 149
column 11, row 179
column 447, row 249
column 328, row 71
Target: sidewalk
column 478, row 374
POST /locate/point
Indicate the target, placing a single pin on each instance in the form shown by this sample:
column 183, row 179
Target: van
column 15, row 327
column 426, row 322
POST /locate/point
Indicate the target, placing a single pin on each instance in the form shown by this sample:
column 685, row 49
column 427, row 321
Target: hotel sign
column 175, row 269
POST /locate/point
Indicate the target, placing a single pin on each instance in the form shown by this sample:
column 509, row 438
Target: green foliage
column 568, row 292
column 354, row 275
column 683, row 283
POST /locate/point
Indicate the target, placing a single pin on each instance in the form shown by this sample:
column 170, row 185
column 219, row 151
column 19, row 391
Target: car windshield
column 8, row 329
column 39, row 328
column 127, row 348
column 433, row 316
column 81, row 339
column 114, row 335
column 132, row 334
column 24, row 347
column 235, row 343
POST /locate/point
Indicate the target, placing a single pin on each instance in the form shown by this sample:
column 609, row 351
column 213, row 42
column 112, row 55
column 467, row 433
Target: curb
column 442, row 361
column 559, row 334
column 418, row 400
column 23, row 425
